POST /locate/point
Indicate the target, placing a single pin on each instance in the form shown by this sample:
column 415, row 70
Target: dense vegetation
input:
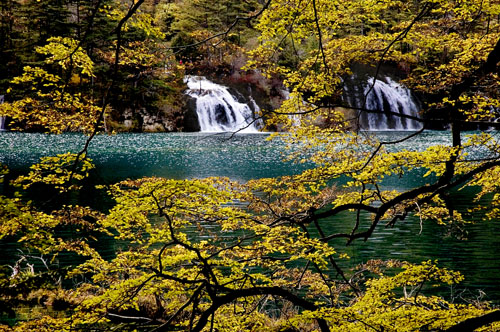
column 265, row 260
column 97, row 59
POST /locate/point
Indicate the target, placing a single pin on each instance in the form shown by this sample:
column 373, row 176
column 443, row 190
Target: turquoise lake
column 249, row 156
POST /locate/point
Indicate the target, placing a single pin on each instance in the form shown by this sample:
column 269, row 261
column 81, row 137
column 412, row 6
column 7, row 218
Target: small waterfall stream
column 2, row 118
column 218, row 109
column 386, row 96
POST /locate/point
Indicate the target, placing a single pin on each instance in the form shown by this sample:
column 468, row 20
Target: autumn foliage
column 216, row 255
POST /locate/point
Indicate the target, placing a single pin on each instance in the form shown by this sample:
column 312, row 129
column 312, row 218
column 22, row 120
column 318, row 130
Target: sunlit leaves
column 67, row 52
column 48, row 103
column 59, row 171
column 246, row 236
column 141, row 21
column 398, row 303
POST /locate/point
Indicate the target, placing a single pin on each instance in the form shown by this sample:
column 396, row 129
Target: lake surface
column 175, row 155
column 245, row 157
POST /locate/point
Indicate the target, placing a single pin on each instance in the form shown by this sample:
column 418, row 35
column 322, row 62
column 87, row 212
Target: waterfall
column 294, row 118
column 2, row 117
column 218, row 109
column 386, row 96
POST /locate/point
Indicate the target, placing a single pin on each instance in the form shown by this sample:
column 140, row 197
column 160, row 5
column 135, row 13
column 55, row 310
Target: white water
column 2, row 118
column 218, row 110
column 387, row 96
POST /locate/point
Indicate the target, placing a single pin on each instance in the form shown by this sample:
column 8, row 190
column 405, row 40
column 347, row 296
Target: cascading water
column 2, row 118
column 218, row 110
column 388, row 97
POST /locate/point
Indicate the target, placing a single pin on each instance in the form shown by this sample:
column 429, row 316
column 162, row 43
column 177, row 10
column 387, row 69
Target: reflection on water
column 177, row 156
column 244, row 157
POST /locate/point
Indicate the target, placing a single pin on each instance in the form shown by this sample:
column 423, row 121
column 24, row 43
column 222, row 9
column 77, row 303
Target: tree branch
column 469, row 325
column 254, row 291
